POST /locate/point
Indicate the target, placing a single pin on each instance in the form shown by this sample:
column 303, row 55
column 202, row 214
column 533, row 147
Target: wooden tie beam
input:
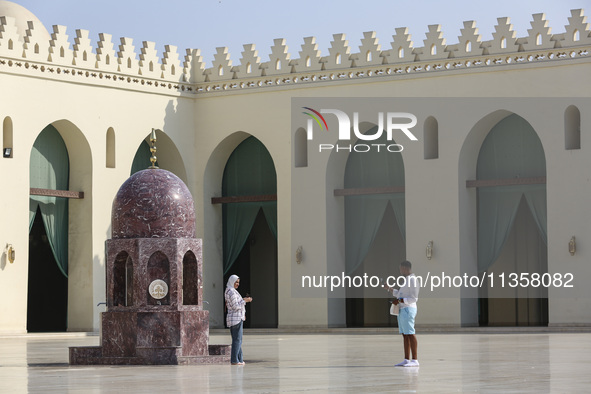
column 236, row 199
column 56, row 193
column 506, row 182
column 368, row 191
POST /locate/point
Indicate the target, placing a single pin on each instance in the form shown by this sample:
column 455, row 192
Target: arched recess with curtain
column 512, row 222
column 249, row 216
column 60, row 227
column 374, row 228
column 169, row 157
column 48, row 235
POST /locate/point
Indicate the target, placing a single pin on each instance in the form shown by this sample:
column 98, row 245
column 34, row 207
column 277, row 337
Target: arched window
column 190, row 279
column 10, row 44
column 248, row 68
column 7, row 138
column 108, row 60
column 84, row 56
column 431, row 138
column 576, row 35
column 62, row 52
column 337, row 59
column 572, row 128
column 468, row 46
column 220, row 70
column 538, row 39
column 123, row 280
column 278, row 64
column 503, row 42
column 300, row 148
column 158, row 268
column 400, row 53
column 172, row 70
column 151, row 66
column 368, row 56
column 110, row 159
column 433, row 49
column 308, row 61
column 128, row 62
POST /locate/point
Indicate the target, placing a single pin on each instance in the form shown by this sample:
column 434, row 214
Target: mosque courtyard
column 347, row 360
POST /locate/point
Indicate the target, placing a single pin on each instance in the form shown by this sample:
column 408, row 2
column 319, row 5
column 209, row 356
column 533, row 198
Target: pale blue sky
column 207, row 24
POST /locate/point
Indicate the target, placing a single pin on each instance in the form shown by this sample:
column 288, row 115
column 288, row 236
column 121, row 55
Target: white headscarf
column 232, row 280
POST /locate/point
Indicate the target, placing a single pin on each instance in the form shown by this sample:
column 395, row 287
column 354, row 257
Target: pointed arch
column 7, row 132
column 431, row 138
column 572, row 128
column 190, row 279
column 300, row 146
column 249, row 171
column 158, row 267
column 169, row 157
column 110, row 148
column 80, row 252
column 501, row 145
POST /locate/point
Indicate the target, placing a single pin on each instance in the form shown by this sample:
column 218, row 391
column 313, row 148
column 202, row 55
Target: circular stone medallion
column 158, row 289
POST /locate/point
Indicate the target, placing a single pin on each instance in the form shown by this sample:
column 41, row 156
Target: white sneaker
column 403, row 363
column 412, row 363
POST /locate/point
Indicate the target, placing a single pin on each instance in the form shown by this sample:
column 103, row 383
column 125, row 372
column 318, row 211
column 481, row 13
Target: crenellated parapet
column 127, row 65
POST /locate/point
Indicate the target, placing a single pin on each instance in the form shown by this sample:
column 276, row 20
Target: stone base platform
column 93, row 355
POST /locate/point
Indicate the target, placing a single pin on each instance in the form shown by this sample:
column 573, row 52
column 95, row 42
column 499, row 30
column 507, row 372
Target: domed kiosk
column 154, row 280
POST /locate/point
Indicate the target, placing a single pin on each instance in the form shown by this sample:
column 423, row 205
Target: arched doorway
column 374, row 229
column 47, row 302
column 61, row 144
column 249, row 216
column 511, row 222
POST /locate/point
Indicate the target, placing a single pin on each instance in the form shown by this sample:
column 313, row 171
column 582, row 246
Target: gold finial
column 153, row 149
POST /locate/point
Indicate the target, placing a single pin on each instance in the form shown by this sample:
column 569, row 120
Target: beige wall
column 82, row 114
column 204, row 129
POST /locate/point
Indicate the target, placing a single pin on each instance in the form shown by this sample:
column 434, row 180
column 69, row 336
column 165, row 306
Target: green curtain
column 511, row 149
column 50, row 169
column 141, row 160
column 249, row 171
column 364, row 214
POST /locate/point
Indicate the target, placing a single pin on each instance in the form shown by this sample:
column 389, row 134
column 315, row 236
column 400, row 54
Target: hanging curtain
column 512, row 149
column 249, row 171
column 270, row 212
column 364, row 214
column 50, row 169
column 535, row 195
column 141, row 160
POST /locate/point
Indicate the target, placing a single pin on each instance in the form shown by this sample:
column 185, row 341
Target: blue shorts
column 406, row 320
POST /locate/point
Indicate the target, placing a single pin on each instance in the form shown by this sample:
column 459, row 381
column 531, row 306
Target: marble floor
column 330, row 362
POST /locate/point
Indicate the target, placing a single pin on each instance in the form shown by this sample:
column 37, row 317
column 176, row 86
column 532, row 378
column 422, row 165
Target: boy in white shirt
column 407, row 298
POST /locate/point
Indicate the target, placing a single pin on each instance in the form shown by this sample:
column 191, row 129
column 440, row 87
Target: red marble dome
column 153, row 203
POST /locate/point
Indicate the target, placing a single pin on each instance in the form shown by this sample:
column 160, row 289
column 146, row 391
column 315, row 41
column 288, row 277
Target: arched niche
column 110, row 148
column 158, row 268
column 300, row 147
column 122, row 280
column 431, row 138
column 8, row 149
column 572, row 128
column 190, row 279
